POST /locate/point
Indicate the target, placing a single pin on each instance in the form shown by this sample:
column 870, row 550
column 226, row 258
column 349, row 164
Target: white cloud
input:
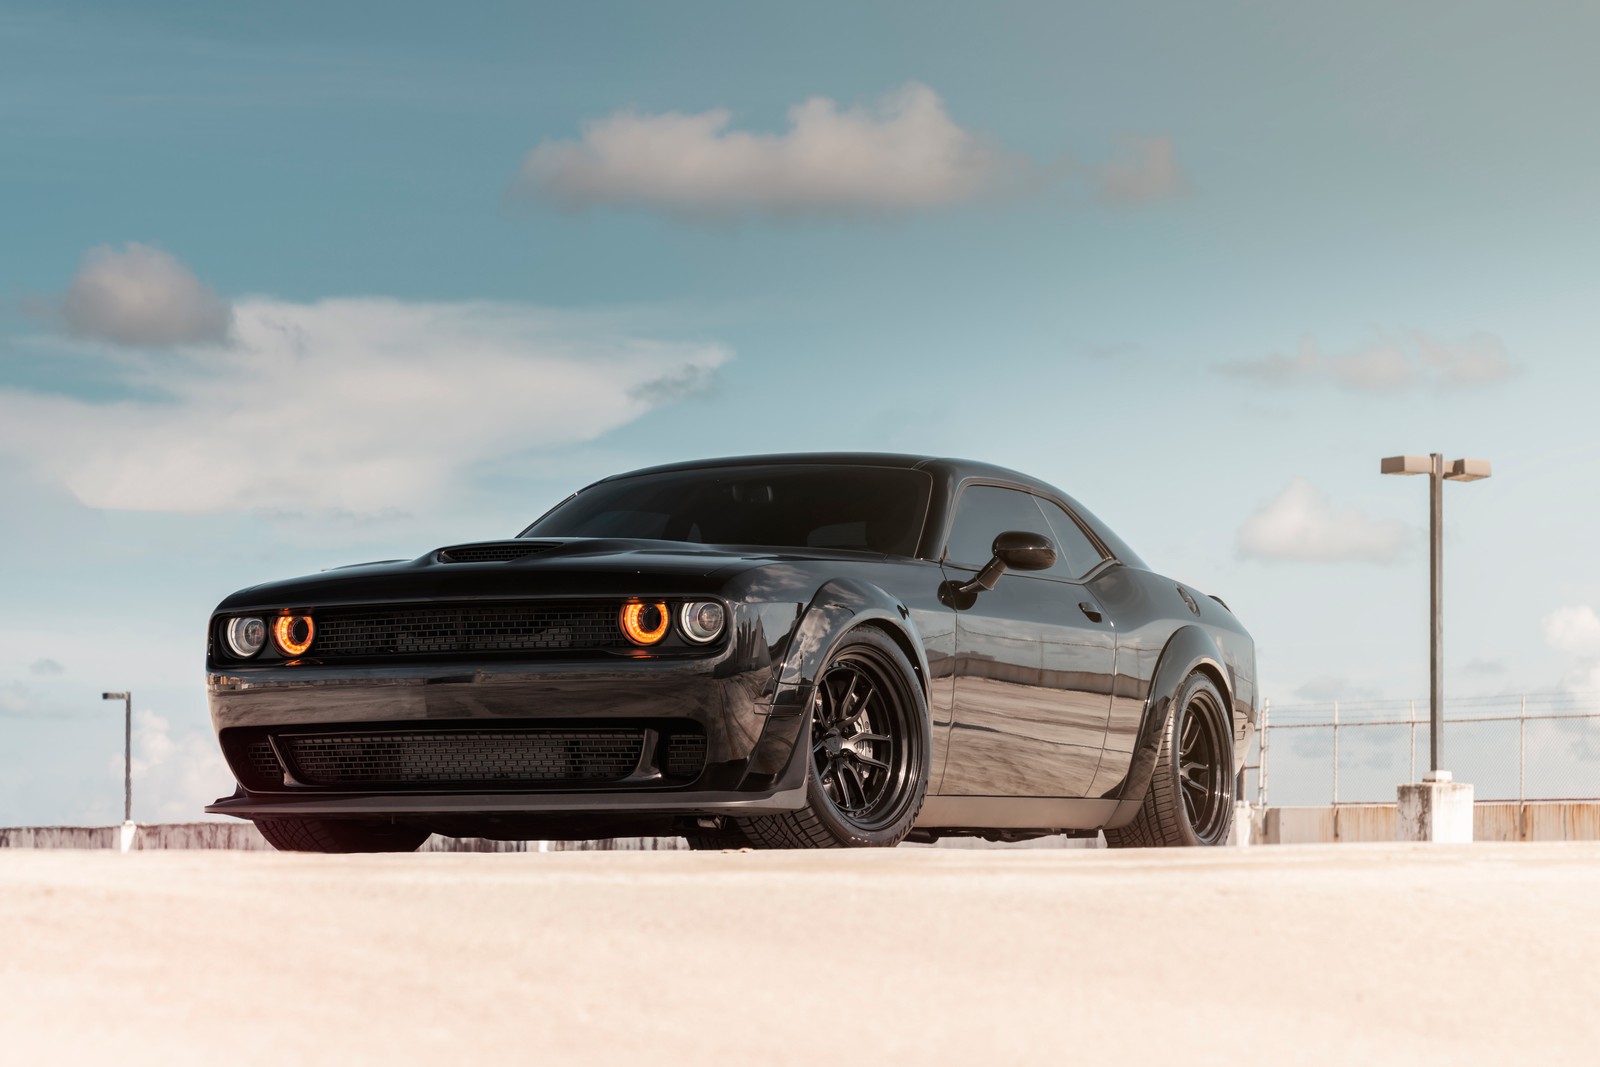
column 1574, row 630
column 1146, row 170
column 46, row 665
column 903, row 154
column 174, row 776
column 1385, row 365
column 357, row 406
column 1301, row 525
column 140, row 295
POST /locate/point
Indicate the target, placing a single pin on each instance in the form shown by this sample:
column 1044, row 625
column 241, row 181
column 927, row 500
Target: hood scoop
column 494, row 551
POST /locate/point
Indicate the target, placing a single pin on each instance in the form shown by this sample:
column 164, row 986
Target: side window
column 1076, row 555
column 985, row 511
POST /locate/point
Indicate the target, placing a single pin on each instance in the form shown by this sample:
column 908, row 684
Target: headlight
column 293, row 634
column 246, row 635
column 645, row 623
column 702, row 620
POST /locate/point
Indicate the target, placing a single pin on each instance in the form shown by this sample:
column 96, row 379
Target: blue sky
column 292, row 287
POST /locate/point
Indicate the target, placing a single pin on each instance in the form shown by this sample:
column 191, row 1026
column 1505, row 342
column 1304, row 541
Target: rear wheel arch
column 1188, row 650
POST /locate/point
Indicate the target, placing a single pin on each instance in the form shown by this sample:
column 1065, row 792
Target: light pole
column 1428, row 816
column 127, row 765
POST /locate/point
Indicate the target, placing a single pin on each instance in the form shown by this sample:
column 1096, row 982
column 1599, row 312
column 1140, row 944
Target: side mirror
column 1024, row 551
column 1013, row 550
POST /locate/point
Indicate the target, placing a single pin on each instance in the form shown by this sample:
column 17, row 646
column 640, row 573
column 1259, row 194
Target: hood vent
column 493, row 553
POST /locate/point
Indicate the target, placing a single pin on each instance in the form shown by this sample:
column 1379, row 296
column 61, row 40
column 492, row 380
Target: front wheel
column 1190, row 800
column 869, row 753
column 340, row 835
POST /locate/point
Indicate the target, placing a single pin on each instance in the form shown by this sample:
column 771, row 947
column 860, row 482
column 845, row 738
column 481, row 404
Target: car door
column 1033, row 663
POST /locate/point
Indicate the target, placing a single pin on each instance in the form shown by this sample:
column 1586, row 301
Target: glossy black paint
column 1046, row 694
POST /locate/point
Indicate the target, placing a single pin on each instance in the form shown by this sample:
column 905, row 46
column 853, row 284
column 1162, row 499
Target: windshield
column 870, row 509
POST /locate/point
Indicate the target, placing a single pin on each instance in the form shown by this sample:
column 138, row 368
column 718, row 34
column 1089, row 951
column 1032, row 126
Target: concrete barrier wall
column 1542, row 820
column 243, row 835
column 1534, row 820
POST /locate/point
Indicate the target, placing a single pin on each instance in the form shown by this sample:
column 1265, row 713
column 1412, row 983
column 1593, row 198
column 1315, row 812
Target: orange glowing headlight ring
column 283, row 634
column 632, row 621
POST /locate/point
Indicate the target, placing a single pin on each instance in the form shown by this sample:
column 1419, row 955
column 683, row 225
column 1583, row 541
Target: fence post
column 1522, row 754
column 1413, row 742
column 1335, row 753
column 1261, row 758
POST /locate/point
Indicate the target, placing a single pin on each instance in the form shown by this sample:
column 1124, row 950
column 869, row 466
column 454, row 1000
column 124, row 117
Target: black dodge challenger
column 773, row 651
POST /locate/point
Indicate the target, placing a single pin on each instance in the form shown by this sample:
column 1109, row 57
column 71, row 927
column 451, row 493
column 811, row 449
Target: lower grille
column 463, row 758
column 502, row 757
column 686, row 755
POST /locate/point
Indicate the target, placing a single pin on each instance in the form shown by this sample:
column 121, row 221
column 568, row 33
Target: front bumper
column 752, row 751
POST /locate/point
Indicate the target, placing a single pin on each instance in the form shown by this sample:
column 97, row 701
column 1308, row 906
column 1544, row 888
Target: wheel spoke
column 872, row 761
column 1191, row 726
column 856, row 783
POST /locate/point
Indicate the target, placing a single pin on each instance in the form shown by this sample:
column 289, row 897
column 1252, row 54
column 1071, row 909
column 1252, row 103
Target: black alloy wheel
column 869, row 741
column 1205, row 764
column 1190, row 799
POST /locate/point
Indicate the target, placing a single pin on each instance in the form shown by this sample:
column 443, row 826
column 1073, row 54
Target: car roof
column 961, row 469
column 948, row 475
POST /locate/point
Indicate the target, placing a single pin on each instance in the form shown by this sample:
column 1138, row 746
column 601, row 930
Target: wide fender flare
column 839, row 606
column 1189, row 649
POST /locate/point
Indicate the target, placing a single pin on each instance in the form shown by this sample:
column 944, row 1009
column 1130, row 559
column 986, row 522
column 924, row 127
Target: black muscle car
column 771, row 651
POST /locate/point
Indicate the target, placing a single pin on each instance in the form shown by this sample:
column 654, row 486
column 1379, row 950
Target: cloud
column 46, row 666
column 1301, row 525
column 903, row 154
column 1574, row 630
column 1385, row 365
column 174, row 775
column 1145, row 171
column 357, row 406
column 141, row 295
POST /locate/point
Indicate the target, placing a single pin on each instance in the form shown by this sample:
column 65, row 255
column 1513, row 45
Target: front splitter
column 252, row 807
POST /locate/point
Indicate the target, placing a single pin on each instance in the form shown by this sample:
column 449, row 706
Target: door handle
column 1090, row 610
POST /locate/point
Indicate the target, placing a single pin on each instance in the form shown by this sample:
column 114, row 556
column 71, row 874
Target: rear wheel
column 340, row 835
column 869, row 753
column 1190, row 800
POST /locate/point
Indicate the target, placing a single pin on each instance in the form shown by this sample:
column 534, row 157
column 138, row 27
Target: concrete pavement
column 1288, row 955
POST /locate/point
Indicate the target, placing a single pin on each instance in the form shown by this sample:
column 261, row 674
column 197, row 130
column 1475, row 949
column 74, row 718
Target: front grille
column 491, row 553
column 473, row 629
column 464, row 757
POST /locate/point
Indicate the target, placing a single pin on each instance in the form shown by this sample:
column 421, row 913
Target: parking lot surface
column 1282, row 955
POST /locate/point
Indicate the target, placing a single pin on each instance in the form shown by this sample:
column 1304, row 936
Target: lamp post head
column 113, row 696
column 1407, row 465
column 1467, row 470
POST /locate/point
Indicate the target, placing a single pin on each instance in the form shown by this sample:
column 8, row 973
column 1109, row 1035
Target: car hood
column 545, row 567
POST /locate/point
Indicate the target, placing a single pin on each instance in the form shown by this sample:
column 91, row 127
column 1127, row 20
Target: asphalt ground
column 1274, row 955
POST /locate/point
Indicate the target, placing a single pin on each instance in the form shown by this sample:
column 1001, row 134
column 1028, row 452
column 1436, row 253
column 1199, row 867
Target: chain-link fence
column 1535, row 746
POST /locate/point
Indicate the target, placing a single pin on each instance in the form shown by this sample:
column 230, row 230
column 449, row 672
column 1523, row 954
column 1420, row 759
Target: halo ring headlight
column 702, row 620
column 645, row 622
column 293, row 634
column 246, row 635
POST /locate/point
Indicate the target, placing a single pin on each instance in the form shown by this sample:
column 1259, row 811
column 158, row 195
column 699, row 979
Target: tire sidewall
column 817, row 798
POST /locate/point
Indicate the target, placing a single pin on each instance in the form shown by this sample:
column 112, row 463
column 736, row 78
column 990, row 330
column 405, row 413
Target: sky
column 293, row 286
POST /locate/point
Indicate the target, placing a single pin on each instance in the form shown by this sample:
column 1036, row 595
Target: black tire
column 1190, row 799
column 340, row 835
column 869, row 737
